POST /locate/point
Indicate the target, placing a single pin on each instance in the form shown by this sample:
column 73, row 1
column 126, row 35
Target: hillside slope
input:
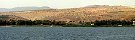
column 11, row 17
column 78, row 14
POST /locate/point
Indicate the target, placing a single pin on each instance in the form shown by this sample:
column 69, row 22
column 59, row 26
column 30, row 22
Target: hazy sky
column 62, row 3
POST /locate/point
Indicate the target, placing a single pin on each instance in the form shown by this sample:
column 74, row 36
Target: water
column 72, row 33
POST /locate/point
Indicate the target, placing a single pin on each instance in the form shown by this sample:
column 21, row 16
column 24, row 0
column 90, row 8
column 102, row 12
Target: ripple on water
column 43, row 33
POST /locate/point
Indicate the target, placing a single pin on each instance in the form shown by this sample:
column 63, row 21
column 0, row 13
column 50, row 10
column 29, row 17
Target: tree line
column 30, row 22
column 113, row 22
column 53, row 22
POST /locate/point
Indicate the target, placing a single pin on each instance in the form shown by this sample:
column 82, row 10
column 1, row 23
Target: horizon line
column 71, row 7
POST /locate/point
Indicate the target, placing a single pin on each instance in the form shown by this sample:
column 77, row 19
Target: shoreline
column 64, row 26
column 5, row 26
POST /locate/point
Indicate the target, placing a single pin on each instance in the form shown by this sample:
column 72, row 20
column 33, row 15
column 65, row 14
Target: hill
column 23, row 9
column 11, row 17
column 84, row 14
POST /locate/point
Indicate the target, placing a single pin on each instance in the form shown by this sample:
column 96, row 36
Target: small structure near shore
column 92, row 24
column 133, row 22
column 119, row 25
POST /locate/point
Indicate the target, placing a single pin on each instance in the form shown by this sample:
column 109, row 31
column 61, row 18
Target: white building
column 133, row 22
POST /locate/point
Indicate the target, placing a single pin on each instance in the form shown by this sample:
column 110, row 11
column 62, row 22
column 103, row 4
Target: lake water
column 67, row 33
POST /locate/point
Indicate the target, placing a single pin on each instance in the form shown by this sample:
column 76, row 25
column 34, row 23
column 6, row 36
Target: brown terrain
column 85, row 14
column 11, row 17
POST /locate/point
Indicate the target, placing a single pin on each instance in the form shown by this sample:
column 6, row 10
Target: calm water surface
column 66, row 33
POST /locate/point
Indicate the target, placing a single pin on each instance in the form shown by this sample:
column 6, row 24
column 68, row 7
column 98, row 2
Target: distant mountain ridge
column 107, row 6
column 23, row 9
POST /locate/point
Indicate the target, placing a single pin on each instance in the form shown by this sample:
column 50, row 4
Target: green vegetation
column 105, row 23
column 112, row 22
column 29, row 22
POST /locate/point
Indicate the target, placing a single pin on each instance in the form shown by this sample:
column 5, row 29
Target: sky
column 62, row 3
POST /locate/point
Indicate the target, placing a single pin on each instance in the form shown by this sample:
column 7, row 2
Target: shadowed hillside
column 11, row 17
